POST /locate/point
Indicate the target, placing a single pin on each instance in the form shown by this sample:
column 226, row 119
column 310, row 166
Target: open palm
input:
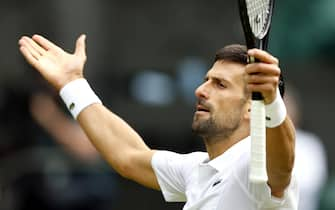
column 56, row 66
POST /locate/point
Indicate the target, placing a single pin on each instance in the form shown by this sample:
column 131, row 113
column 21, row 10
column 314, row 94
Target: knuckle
column 248, row 68
column 276, row 70
column 275, row 81
column 276, row 60
column 249, row 87
column 268, row 89
column 84, row 58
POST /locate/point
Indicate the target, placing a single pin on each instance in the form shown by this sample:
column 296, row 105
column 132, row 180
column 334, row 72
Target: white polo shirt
column 219, row 184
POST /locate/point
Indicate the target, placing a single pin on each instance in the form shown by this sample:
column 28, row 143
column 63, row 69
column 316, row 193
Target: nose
column 202, row 91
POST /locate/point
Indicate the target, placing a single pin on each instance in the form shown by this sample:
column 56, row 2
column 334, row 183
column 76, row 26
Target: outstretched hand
column 55, row 65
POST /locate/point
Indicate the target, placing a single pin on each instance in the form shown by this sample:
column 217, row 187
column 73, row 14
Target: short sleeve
column 168, row 167
column 262, row 193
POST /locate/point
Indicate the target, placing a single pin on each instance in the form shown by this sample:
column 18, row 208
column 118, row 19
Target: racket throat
column 262, row 43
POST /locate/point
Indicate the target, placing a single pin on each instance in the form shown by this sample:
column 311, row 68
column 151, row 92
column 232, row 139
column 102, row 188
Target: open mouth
column 201, row 108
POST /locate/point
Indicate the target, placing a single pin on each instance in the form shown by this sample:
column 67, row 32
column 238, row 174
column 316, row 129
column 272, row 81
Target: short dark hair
column 239, row 54
column 235, row 53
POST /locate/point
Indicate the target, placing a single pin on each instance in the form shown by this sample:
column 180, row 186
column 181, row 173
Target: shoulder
column 178, row 158
column 174, row 167
column 164, row 158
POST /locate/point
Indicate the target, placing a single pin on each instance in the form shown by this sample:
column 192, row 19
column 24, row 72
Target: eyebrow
column 221, row 79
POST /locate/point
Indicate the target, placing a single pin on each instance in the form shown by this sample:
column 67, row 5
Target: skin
column 223, row 89
column 224, row 94
column 67, row 133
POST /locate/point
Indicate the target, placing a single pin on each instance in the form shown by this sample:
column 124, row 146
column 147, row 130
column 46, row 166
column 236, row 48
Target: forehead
column 227, row 70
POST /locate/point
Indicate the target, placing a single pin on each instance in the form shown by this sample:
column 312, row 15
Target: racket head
column 256, row 16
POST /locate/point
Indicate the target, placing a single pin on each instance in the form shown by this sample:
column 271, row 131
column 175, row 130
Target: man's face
column 222, row 101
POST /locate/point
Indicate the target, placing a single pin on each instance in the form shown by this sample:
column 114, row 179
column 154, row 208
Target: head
column 223, row 100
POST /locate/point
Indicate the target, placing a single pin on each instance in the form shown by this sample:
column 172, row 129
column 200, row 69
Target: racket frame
column 258, row 173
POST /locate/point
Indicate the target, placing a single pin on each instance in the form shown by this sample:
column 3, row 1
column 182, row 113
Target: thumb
column 81, row 46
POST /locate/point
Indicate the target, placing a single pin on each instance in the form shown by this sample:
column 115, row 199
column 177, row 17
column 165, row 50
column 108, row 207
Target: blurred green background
column 128, row 42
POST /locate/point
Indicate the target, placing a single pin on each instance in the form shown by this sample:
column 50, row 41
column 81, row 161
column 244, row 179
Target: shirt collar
column 227, row 158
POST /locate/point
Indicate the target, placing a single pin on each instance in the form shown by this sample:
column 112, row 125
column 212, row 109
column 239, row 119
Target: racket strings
column 259, row 13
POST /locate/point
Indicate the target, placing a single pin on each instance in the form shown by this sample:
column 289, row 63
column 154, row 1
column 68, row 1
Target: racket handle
column 258, row 172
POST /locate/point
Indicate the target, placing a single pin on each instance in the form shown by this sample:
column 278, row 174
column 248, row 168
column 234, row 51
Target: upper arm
column 139, row 168
column 120, row 145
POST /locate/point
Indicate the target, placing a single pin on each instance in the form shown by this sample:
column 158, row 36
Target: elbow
column 120, row 164
column 124, row 170
column 124, row 167
column 280, row 177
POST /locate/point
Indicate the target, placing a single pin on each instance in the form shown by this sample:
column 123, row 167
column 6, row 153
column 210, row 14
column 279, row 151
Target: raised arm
column 280, row 139
column 118, row 143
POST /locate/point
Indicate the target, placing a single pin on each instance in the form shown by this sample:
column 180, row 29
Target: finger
column 81, row 46
column 267, row 90
column 34, row 45
column 27, row 43
column 44, row 43
column 24, row 43
column 31, row 59
column 261, row 79
column 263, row 68
column 263, row 56
column 264, row 87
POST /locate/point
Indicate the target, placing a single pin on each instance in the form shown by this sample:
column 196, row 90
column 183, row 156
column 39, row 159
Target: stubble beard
column 210, row 130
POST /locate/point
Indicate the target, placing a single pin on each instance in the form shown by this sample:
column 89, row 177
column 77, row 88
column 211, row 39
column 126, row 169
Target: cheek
column 222, row 106
column 220, row 111
column 227, row 110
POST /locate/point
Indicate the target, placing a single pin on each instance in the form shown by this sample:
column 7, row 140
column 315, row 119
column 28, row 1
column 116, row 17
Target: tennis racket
column 256, row 20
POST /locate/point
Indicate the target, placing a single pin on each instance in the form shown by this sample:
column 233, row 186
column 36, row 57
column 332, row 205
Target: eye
column 221, row 85
column 205, row 79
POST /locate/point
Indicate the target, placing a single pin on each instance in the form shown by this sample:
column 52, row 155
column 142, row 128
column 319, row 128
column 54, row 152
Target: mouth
column 202, row 109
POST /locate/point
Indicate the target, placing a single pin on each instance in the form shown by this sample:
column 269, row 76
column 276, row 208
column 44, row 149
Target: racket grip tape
column 258, row 173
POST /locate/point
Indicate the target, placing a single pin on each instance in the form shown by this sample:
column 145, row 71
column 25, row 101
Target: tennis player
column 216, row 179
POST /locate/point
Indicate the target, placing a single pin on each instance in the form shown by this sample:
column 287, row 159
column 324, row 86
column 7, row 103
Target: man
column 217, row 179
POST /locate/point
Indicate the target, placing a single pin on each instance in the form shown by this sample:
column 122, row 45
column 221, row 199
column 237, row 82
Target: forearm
column 113, row 137
column 120, row 145
column 280, row 154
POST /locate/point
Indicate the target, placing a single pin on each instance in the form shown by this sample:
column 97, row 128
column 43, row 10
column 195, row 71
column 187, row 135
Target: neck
column 216, row 146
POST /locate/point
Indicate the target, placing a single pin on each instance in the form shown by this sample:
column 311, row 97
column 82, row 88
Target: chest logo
column 216, row 182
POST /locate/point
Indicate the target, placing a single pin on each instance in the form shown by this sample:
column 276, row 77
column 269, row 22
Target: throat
column 217, row 146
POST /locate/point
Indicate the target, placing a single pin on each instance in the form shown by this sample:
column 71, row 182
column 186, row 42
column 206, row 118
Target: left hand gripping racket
column 256, row 20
